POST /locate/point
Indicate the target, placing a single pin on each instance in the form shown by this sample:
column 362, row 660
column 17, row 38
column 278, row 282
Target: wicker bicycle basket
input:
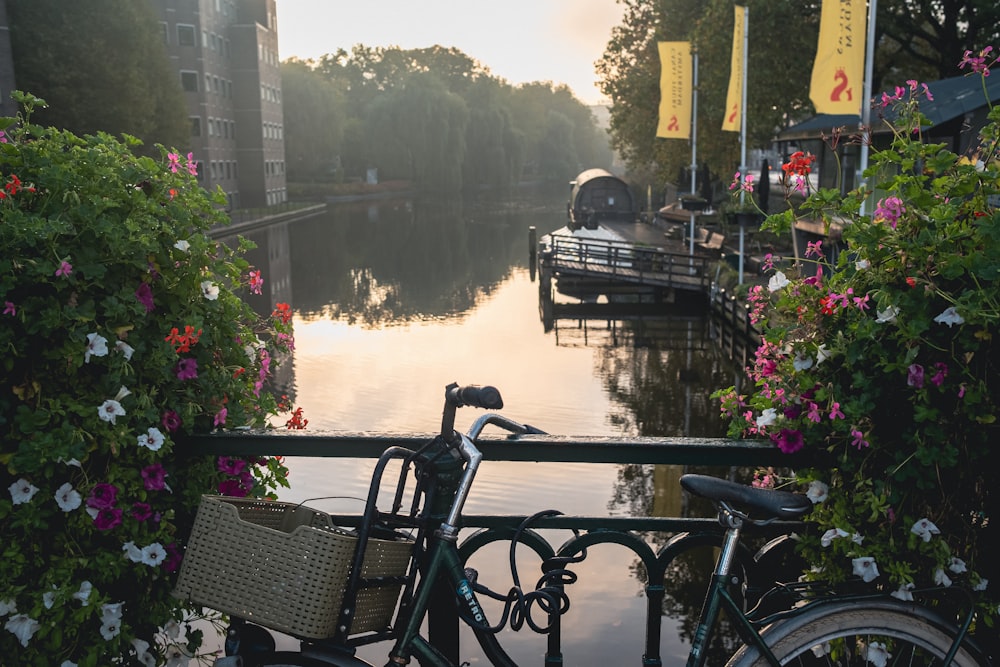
column 285, row 566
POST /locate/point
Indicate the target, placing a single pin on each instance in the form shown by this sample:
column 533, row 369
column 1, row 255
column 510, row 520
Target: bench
column 713, row 243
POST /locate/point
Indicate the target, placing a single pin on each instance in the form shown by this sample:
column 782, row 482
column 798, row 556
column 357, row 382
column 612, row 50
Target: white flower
column 176, row 657
column 97, row 346
column 83, row 595
column 133, row 552
column 822, row 354
column 857, row 538
column 876, row 653
column 832, row 534
column 903, row 593
column 71, row 462
column 122, row 393
column 925, row 529
column 111, row 612
column 980, row 585
column 182, row 245
column 949, row 316
column 888, row 315
column 49, row 598
column 777, row 281
column 109, row 410
column 862, row 264
column 22, row 627
column 67, row 663
column 22, row 491
column 9, row 607
column 152, row 439
column 802, row 361
column 817, row 491
column 126, row 349
column 941, row 579
column 111, row 628
column 957, row 565
column 172, row 629
column 153, row 554
column 209, row 290
column 866, row 568
column 67, row 497
column 142, row 652
column 767, row 417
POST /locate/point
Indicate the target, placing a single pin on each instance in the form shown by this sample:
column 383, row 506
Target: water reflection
column 393, row 300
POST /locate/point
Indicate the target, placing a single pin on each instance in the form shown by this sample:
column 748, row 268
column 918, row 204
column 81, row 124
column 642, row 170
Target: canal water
column 395, row 299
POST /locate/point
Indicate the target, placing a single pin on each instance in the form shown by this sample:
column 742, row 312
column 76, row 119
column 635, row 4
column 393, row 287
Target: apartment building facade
column 7, row 81
column 225, row 54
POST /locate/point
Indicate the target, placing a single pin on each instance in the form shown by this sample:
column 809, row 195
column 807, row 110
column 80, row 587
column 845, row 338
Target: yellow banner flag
column 837, row 83
column 734, row 98
column 675, row 90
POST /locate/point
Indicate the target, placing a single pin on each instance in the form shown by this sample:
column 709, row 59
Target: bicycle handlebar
column 474, row 396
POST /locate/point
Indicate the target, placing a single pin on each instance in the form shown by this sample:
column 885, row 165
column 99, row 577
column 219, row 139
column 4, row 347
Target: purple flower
column 889, row 210
column 171, row 421
column 9, row 308
column 107, row 519
column 187, row 369
column 941, row 372
column 141, row 511
column 915, row 376
column 173, row 559
column 233, row 488
column 789, row 441
column 144, row 293
column 65, row 270
column 154, row 477
column 103, row 496
column 220, row 417
column 231, row 465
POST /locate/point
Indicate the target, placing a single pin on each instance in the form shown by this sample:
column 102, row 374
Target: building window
column 166, row 32
column 195, row 126
column 185, row 34
column 189, row 81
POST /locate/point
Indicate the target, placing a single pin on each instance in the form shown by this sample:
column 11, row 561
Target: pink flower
column 814, row 249
column 171, row 421
column 173, row 559
column 941, row 372
column 108, row 519
column 9, row 308
column 65, row 270
column 187, row 369
column 154, row 477
column 141, row 511
column 175, row 161
column 978, row 63
column 256, row 282
column 231, row 465
column 192, row 166
column 859, row 439
column 144, row 293
column 220, row 417
column 835, row 412
column 813, row 414
column 233, row 487
column 915, row 376
column 889, row 210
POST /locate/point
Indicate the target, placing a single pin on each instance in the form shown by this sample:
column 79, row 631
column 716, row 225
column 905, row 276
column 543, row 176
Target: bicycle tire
column 912, row 634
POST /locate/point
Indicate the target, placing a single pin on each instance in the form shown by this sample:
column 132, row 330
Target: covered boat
column 598, row 195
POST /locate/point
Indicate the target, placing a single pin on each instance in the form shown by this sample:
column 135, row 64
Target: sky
column 518, row 40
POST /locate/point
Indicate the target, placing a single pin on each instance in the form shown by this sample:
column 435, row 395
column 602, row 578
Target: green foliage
column 122, row 329
column 436, row 117
column 101, row 65
column 884, row 364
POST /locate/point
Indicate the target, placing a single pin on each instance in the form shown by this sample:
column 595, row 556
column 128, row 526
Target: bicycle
column 796, row 624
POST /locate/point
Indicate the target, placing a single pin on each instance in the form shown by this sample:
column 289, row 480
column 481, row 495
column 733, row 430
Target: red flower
column 283, row 311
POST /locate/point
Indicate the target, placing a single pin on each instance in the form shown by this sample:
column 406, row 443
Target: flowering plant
column 121, row 330
column 882, row 360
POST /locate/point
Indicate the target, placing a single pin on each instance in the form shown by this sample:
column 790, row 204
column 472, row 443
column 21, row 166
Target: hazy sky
column 518, row 40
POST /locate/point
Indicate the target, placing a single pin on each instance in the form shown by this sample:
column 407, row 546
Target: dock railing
column 687, row 533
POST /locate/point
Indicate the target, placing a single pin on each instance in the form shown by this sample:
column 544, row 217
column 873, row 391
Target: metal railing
column 686, row 533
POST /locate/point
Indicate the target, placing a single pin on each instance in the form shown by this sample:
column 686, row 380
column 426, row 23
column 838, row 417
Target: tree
column 314, row 122
column 62, row 55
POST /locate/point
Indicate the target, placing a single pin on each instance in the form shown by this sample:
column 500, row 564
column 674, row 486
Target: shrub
column 121, row 329
column 884, row 363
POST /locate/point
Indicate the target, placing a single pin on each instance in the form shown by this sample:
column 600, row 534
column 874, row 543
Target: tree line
column 432, row 116
column 915, row 39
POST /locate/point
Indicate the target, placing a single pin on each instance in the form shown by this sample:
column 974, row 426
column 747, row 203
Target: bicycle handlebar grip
column 475, row 396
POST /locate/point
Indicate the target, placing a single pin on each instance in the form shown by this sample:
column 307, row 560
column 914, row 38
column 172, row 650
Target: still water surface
column 394, row 300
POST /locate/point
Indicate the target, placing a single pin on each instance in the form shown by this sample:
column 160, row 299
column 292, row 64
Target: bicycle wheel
column 878, row 634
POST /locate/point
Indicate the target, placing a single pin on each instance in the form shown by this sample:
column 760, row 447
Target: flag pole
column 866, row 98
column 694, row 147
column 743, row 123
